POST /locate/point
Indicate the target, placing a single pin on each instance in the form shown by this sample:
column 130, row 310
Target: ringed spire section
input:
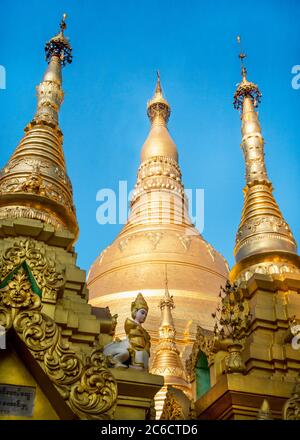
column 264, row 241
column 34, row 183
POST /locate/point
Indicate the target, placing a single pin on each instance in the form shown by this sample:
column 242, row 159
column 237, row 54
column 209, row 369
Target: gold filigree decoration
column 172, row 410
column 96, row 394
column 232, row 317
column 204, row 343
column 154, row 237
column 34, row 182
column 43, row 268
column 83, row 381
column 32, row 213
column 266, row 268
column 185, row 240
column 232, row 321
column 16, row 296
column 291, row 409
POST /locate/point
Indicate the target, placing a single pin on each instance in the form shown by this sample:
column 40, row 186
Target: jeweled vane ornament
column 59, row 45
column 245, row 88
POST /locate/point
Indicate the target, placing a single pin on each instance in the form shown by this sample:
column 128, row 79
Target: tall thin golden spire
column 264, row 238
column 166, row 360
column 34, row 183
column 158, row 195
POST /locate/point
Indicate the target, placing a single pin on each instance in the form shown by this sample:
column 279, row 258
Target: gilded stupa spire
column 167, row 360
column 159, row 141
column 158, row 195
column 34, row 183
column 263, row 234
column 58, row 54
column 159, row 231
column 158, row 108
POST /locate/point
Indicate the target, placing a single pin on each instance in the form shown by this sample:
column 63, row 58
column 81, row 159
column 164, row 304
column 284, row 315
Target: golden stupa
column 159, row 232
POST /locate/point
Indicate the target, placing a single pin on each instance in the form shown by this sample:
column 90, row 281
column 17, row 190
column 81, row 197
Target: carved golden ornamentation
column 34, row 182
column 172, row 410
column 43, row 268
column 84, row 382
column 291, row 409
column 95, row 396
column 31, row 213
column 264, row 412
column 17, row 294
column 154, row 237
column 232, row 321
column 234, row 362
column 204, row 342
column 266, row 268
column 232, row 317
column 185, row 240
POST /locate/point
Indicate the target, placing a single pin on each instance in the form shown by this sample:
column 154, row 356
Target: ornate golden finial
column 63, row 23
column 159, row 142
column 167, row 301
column 264, row 412
column 59, row 46
column 167, row 360
column 158, row 107
column 291, row 409
column 245, row 88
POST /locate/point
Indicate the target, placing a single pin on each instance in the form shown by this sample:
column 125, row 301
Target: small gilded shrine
column 160, row 327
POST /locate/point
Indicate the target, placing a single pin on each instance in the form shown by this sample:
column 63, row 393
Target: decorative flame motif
column 232, row 317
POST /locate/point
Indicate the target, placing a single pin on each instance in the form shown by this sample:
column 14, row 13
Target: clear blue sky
column 117, row 47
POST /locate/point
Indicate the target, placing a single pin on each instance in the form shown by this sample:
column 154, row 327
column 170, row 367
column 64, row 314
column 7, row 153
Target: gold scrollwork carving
column 83, row 381
column 172, row 410
column 291, row 409
column 43, row 269
column 204, row 343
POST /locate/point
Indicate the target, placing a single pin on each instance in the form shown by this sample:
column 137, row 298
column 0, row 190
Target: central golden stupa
column 159, row 236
